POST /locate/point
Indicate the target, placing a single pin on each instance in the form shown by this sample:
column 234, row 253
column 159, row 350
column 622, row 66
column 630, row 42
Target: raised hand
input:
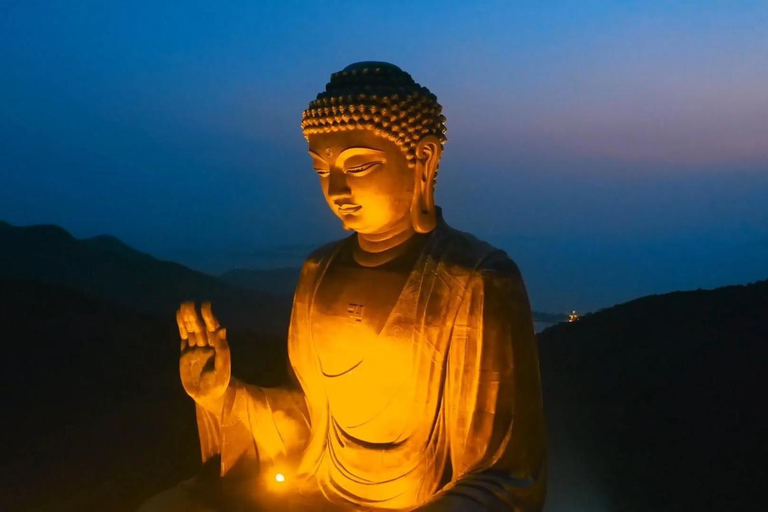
column 205, row 363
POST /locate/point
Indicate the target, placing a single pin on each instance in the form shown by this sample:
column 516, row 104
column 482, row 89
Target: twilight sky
column 613, row 149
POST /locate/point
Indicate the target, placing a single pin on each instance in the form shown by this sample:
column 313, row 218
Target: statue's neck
column 376, row 249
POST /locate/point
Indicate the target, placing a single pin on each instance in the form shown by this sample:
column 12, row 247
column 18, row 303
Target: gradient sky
column 613, row 149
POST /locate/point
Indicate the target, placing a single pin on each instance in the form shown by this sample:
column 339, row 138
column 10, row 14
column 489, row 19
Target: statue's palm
column 205, row 363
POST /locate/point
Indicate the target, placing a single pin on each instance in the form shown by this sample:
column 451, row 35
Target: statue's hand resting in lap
column 205, row 363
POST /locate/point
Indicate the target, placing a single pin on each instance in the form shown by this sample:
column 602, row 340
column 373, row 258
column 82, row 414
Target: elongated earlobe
column 423, row 211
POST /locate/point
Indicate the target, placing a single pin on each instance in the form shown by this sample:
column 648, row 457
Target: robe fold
column 443, row 410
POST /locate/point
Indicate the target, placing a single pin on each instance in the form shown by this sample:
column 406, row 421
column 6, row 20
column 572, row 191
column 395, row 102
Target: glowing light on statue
column 412, row 343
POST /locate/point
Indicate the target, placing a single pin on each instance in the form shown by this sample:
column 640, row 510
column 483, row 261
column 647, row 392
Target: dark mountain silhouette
column 94, row 416
column 115, row 245
column 659, row 403
column 106, row 268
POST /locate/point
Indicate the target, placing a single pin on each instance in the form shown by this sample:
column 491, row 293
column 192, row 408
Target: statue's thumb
column 220, row 339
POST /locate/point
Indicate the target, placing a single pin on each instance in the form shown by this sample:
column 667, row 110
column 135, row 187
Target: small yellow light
column 280, row 477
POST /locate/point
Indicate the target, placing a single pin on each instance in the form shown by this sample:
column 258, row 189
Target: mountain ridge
column 107, row 268
column 114, row 244
column 655, row 401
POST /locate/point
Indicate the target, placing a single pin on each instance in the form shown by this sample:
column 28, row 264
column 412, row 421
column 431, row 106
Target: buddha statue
column 412, row 344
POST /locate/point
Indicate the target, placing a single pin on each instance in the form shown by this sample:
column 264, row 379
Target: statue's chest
column 362, row 325
column 355, row 317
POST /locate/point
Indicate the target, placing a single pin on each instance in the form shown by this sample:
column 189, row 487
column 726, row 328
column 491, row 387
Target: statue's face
column 365, row 179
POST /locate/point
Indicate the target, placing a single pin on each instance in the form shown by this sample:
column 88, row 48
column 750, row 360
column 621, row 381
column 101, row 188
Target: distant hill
column 283, row 281
column 114, row 245
column 659, row 403
column 106, row 268
column 94, row 415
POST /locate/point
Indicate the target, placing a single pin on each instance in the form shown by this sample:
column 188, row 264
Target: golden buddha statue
column 417, row 377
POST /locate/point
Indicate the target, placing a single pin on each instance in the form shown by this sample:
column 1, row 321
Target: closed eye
column 322, row 172
column 362, row 169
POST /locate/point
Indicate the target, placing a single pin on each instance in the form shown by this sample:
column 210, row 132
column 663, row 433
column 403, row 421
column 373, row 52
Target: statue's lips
column 348, row 208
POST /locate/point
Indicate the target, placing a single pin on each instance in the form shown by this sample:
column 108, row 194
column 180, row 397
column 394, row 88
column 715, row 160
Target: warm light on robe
column 444, row 401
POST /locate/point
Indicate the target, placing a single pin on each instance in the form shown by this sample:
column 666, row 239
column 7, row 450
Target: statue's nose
column 337, row 185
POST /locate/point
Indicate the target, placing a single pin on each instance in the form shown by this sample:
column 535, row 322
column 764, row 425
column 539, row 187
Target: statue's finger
column 218, row 339
column 183, row 334
column 210, row 321
column 223, row 355
column 194, row 325
column 189, row 314
column 180, row 323
column 201, row 338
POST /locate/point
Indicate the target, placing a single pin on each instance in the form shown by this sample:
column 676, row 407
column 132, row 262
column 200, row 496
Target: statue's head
column 376, row 137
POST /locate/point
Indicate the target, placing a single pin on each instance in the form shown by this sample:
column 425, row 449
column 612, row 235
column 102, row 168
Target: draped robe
column 438, row 409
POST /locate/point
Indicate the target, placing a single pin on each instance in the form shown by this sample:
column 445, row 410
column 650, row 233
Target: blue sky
column 614, row 149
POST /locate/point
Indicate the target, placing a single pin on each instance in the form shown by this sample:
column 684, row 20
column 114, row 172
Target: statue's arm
column 268, row 425
column 494, row 411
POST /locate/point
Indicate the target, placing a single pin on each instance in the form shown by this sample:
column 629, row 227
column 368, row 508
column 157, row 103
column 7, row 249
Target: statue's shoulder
column 323, row 254
column 460, row 252
column 475, row 263
column 312, row 267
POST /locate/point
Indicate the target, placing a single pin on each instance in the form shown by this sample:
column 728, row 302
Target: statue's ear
column 423, row 213
column 428, row 153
